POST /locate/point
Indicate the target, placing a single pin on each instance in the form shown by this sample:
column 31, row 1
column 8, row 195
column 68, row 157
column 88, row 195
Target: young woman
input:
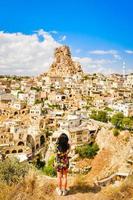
column 62, row 149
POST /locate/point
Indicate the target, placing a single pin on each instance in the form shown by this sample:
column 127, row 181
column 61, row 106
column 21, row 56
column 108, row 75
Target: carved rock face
column 62, row 51
column 63, row 64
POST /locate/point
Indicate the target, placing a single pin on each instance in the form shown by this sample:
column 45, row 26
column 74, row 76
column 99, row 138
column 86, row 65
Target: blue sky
column 96, row 30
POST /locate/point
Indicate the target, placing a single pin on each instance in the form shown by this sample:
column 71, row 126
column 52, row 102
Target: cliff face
column 63, row 64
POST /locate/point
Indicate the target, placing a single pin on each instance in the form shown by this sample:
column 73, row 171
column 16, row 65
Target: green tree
column 93, row 114
column 38, row 101
column 100, row 116
column 38, row 89
column 108, row 109
column 44, row 111
column 54, row 106
column 87, row 151
column 117, row 119
column 127, row 123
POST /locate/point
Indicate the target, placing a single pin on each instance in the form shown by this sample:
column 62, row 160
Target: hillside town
column 34, row 111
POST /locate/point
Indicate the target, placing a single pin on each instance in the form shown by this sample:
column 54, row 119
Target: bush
column 49, row 168
column 108, row 109
column 39, row 164
column 51, row 160
column 32, row 187
column 116, row 132
column 127, row 123
column 11, row 171
column 87, row 151
column 38, row 101
column 117, row 119
column 100, row 115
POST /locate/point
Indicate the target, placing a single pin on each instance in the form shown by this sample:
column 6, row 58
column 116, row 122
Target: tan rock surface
column 63, row 63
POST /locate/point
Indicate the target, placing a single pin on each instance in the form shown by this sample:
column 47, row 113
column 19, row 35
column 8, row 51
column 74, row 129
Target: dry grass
column 80, row 185
column 5, row 191
column 123, row 192
column 37, row 187
column 31, row 188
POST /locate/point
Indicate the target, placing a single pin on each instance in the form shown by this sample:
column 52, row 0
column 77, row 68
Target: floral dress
column 61, row 159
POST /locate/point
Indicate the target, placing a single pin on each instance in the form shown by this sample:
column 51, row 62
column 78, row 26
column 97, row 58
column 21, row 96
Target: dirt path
column 77, row 191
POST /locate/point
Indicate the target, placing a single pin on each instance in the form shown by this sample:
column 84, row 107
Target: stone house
column 18, row 105
column 22, row 96
column 33, row 96
column 125, row 108
column 36, row 110
column 6, row 98
column 54, row 97
column 77, row 131
column 22, row 139
column 15, row 93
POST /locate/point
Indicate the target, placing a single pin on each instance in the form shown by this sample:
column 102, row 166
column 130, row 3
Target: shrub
column 127, row 123
column 117, row 119
column 100, row 115
column 87, row 151
column 11, row 171
column 49, row 168
column 116, row 132
column 108, row 109
column 32, row 187
column 39, row 163
column 36, row 88
column 38, row 101
column 51, row 160
column 93, row 114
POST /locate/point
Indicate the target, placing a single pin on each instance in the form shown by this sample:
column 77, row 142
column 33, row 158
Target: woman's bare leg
column 59, row 180
column 65, row 179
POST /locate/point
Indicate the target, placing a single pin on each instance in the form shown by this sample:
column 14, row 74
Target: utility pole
column 124, row 70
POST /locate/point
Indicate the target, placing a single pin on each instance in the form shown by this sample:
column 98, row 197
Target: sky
column 98, row 32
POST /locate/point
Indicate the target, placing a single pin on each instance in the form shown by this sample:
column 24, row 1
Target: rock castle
column 63, row 63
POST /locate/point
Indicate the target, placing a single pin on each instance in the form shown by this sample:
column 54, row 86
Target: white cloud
column 114, row 53
column 26, row 54
column 96, row 65
column 117, row 56
column 63, row 38
column 23, row 54
column 54, row 32
column 129, row 51
column 103, row 52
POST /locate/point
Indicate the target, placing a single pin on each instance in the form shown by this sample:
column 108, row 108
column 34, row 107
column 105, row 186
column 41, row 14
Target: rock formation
column 63, row 64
